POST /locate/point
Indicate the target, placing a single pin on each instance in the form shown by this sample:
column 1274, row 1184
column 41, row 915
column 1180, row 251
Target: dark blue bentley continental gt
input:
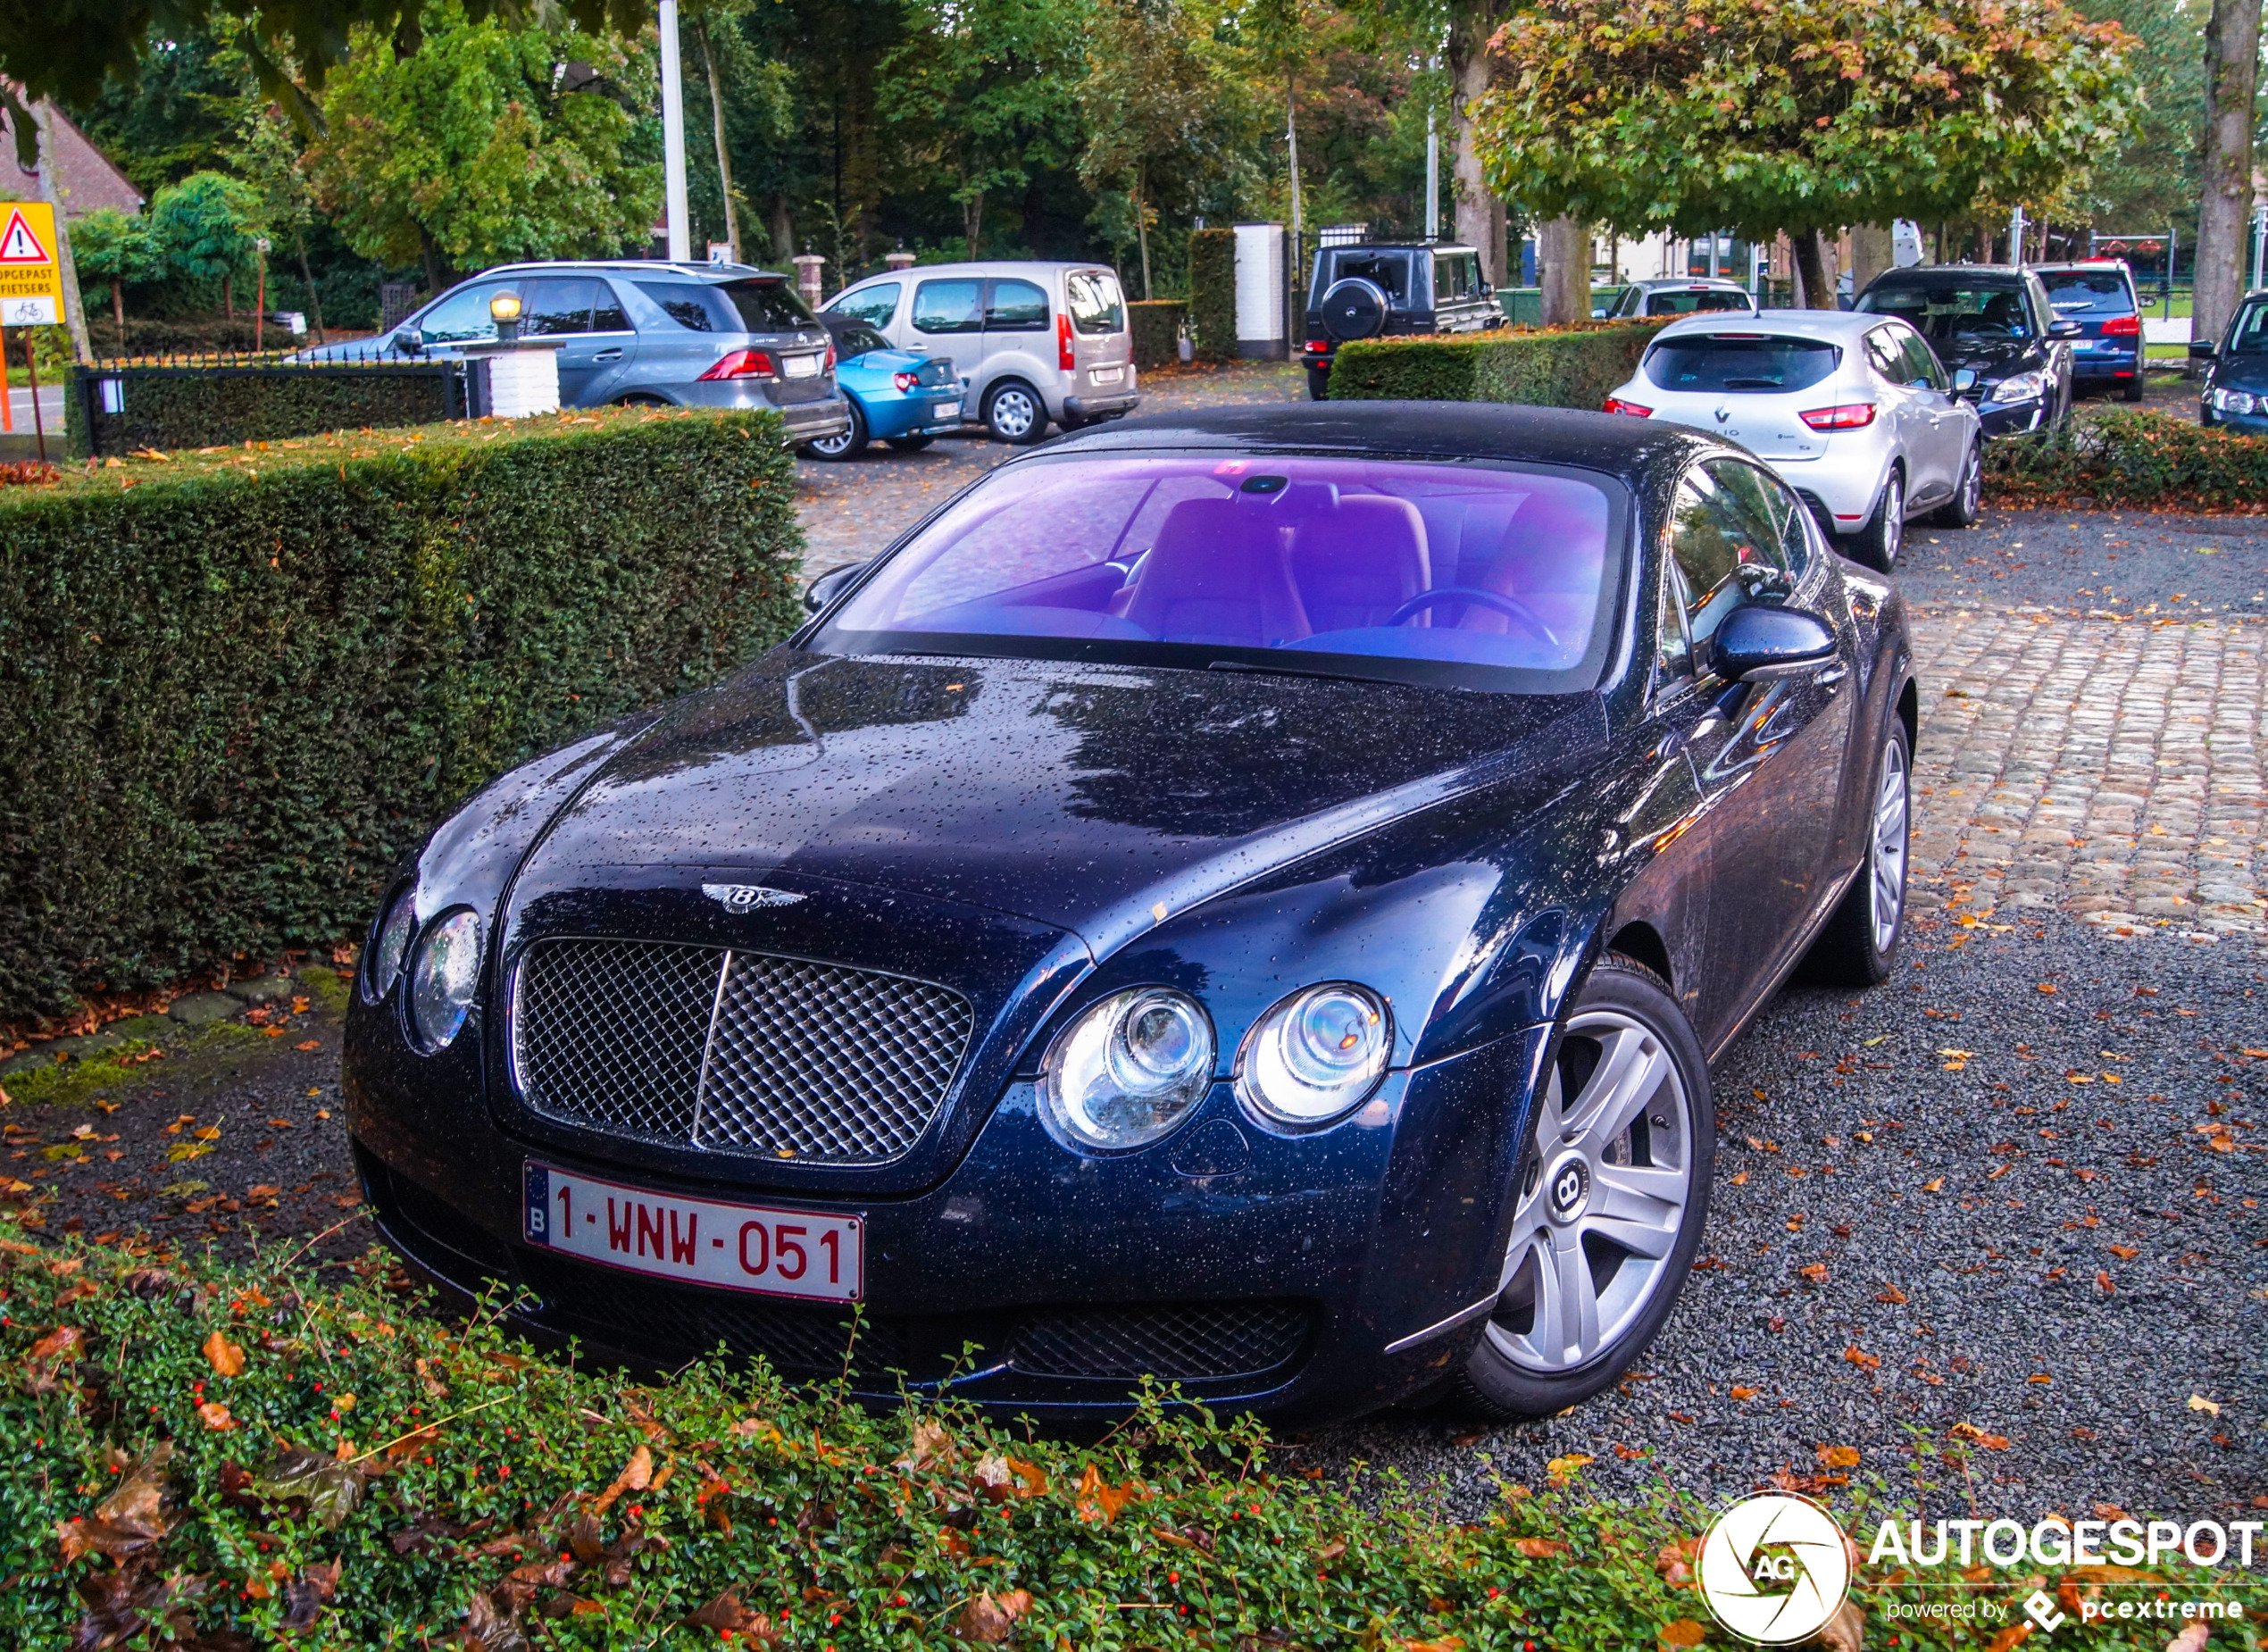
column 1248, row 898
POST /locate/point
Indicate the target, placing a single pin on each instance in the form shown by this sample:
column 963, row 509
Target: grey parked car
column 660, row 334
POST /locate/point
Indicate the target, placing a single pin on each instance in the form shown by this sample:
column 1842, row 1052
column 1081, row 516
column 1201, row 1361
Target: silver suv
column 636, row 332
column 1033, row 341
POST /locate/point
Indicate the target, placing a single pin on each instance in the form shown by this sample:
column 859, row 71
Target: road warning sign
column 31, row 285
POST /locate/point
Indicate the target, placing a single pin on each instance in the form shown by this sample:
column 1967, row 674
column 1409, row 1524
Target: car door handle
column 614, row 355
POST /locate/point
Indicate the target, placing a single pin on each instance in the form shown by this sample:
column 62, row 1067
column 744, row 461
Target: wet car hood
column 1991, row 358
column 2241, row 372
column 1096, row 799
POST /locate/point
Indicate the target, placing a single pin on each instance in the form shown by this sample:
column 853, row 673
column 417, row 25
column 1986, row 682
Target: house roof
column 85, row 179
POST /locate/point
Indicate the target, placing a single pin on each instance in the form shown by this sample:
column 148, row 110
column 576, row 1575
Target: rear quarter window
column 766, row 307
column 1706, row 362
column 1096, row 306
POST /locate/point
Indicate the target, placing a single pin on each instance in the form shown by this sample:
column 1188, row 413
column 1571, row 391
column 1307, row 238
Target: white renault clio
column 1855, row 411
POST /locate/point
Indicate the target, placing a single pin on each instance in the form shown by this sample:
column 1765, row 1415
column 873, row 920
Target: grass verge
column 214, row 1458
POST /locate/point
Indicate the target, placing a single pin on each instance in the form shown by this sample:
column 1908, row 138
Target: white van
column 1035, row 341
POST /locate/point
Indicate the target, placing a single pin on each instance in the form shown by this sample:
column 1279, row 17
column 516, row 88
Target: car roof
column 1953, row 271
column 1835, row 326
column 1397, row 246
column 2084, row 263
column 649, row 267
column 1622, row 447
column 985, row 266
column 1721, row 283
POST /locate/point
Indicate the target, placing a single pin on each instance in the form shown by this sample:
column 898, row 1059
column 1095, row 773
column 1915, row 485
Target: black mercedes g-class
column 1375, row 290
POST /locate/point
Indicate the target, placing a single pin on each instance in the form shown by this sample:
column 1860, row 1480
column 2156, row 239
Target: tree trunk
column 783, row 227
column 314, row 299
column 1142, row 229
column 2232, row 71
column 1291, row 141
column 972, row 221
column 717, row 117
column 1480, row 212
column 1563, row 271
column 228, row 295
column 1811, row 271
column 118, row 312
column 1872, row 251
column 42, row 114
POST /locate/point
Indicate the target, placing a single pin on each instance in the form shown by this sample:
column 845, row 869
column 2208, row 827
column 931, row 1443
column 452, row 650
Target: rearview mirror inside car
column 2202, row 349
column 1761, row 639
column 830, row 585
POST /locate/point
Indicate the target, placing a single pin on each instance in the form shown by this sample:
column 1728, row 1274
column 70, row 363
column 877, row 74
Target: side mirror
column 1965, row 380
column 2202, row 349
column 408, row 341
column 830, row 585
column 1488, row 291
column 1761, row 640
column 2064, row 329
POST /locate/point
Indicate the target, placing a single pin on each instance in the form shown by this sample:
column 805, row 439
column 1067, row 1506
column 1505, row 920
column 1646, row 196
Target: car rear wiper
column 1754, row 384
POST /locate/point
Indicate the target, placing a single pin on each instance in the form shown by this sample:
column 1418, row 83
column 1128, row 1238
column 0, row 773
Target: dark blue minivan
column 2099, row 295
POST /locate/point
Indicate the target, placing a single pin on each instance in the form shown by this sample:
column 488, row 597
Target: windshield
column 1970, row 310
column 1458, row 574
column 2090, row 292
column 2248, row 333
column 1706, row 362
column 1675, row 301
column 1390, row 272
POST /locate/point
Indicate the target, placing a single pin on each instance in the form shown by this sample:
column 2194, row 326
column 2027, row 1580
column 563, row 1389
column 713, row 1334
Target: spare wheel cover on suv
column 1354, row 309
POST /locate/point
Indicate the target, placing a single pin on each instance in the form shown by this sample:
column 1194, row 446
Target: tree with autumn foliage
column 1796, row 115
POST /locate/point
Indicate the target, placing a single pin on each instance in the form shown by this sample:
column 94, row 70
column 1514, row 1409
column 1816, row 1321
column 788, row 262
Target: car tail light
column 1849, row 417
column 1317, row 347
column 828, row 366
column 1064, row 357
column 740, row 364
column 1617, row 404
column 905, row 381
column 2123, row 327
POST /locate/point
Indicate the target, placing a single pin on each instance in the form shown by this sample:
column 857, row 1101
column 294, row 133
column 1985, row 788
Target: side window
column 463, row 317
column 1885, row 355
column 1672, row 650
column 1726, row 536
column 950, row 307
column 607, row 314
column 1015, row 307
column 1922, row 363
column 873, row 305
column 687, row 305
column 558, row 306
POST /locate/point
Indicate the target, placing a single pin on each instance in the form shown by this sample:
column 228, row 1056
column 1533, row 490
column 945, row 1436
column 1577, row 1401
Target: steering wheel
column 1511, row 608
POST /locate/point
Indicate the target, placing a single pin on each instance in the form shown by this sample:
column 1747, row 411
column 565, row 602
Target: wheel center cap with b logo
column 1568, row 1187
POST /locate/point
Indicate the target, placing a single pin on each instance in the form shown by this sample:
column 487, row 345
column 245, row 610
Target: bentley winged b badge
column 746, row 896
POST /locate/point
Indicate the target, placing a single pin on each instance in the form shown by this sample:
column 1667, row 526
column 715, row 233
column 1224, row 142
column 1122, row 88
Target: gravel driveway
column 2033, row 1213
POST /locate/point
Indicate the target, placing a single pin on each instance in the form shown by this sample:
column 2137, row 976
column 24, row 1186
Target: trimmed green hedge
column 229, row 1458
column 240, row 687
column 199, row 406
column 1213, row 293
column 1564, row 367
column 2133, row 460
column 1157, row 326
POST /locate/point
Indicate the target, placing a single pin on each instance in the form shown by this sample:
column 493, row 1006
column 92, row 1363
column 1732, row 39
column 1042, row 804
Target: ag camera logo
column 1774, row 1568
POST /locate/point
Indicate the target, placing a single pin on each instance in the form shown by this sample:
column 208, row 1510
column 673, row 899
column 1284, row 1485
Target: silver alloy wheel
column 1888, row 858
column 1015, row 410
column 835, row 445
column 1973, row 485
column 1893, row 520
column 1598, row 1217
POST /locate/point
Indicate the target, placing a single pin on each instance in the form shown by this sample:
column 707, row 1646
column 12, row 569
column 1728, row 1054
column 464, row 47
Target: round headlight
column 1125, row 1072
column 1316, row 1055
column 393, row 941
column 443, row 979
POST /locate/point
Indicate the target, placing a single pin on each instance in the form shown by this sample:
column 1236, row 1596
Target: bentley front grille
column 734, row 1052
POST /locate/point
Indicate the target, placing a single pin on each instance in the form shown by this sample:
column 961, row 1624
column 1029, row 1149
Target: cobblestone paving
column 2111, row 768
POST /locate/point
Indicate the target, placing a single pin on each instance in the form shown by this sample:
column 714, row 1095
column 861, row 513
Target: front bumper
column 2241, row 424
column 1274, row 1277
column 2000, row 418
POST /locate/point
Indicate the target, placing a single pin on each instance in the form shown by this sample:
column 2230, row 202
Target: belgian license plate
column 1109, row 375
column 773, row 1253
column 799, row 366
column 944, row 410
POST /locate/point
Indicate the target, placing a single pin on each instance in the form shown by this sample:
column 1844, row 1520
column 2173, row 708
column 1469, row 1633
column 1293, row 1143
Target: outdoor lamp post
column 512, row 377
column 503, row 309
column 259, row 295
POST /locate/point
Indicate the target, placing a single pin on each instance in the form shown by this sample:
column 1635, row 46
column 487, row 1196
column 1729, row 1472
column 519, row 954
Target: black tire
column 909, row 444
column 2133, row 392
column 1967, row 502
column 1318, row 386
column 1877, row 544
column 1501, row 1378
column 849, row 445
column 1856, row 948
column 1014, row 413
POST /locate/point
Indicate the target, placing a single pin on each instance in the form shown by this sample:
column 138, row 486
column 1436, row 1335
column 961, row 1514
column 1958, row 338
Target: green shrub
column 239, row 687
column 1157, row 326
column 171, row 407
column 1566, row 367
column 2133, row 460
column 255, row 1457
column 1213, row 293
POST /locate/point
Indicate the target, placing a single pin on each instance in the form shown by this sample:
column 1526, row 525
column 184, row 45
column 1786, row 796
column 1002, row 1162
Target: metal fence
column 173, row 402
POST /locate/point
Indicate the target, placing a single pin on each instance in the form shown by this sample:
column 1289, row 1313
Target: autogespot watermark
column 1775, row 1567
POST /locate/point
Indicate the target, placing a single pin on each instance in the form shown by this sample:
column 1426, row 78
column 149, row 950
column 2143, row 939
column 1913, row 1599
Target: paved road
column 2002, row 1183
column 51, row 410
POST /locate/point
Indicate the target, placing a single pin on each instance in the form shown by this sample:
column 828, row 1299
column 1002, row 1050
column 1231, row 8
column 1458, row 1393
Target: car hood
column 2241, row 372
column 1992, row 358
column 1093, row 799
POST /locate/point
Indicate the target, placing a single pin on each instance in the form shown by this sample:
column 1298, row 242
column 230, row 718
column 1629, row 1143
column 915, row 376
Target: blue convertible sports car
column 897, row 396
column 1246, row 898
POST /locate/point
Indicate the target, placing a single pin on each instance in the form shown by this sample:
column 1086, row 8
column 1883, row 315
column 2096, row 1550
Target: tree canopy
column 1796, row 115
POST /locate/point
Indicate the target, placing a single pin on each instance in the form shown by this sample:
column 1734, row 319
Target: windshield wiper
column 1291, row 671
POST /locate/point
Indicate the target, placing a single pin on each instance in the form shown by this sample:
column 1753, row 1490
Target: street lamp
column 503, row 309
